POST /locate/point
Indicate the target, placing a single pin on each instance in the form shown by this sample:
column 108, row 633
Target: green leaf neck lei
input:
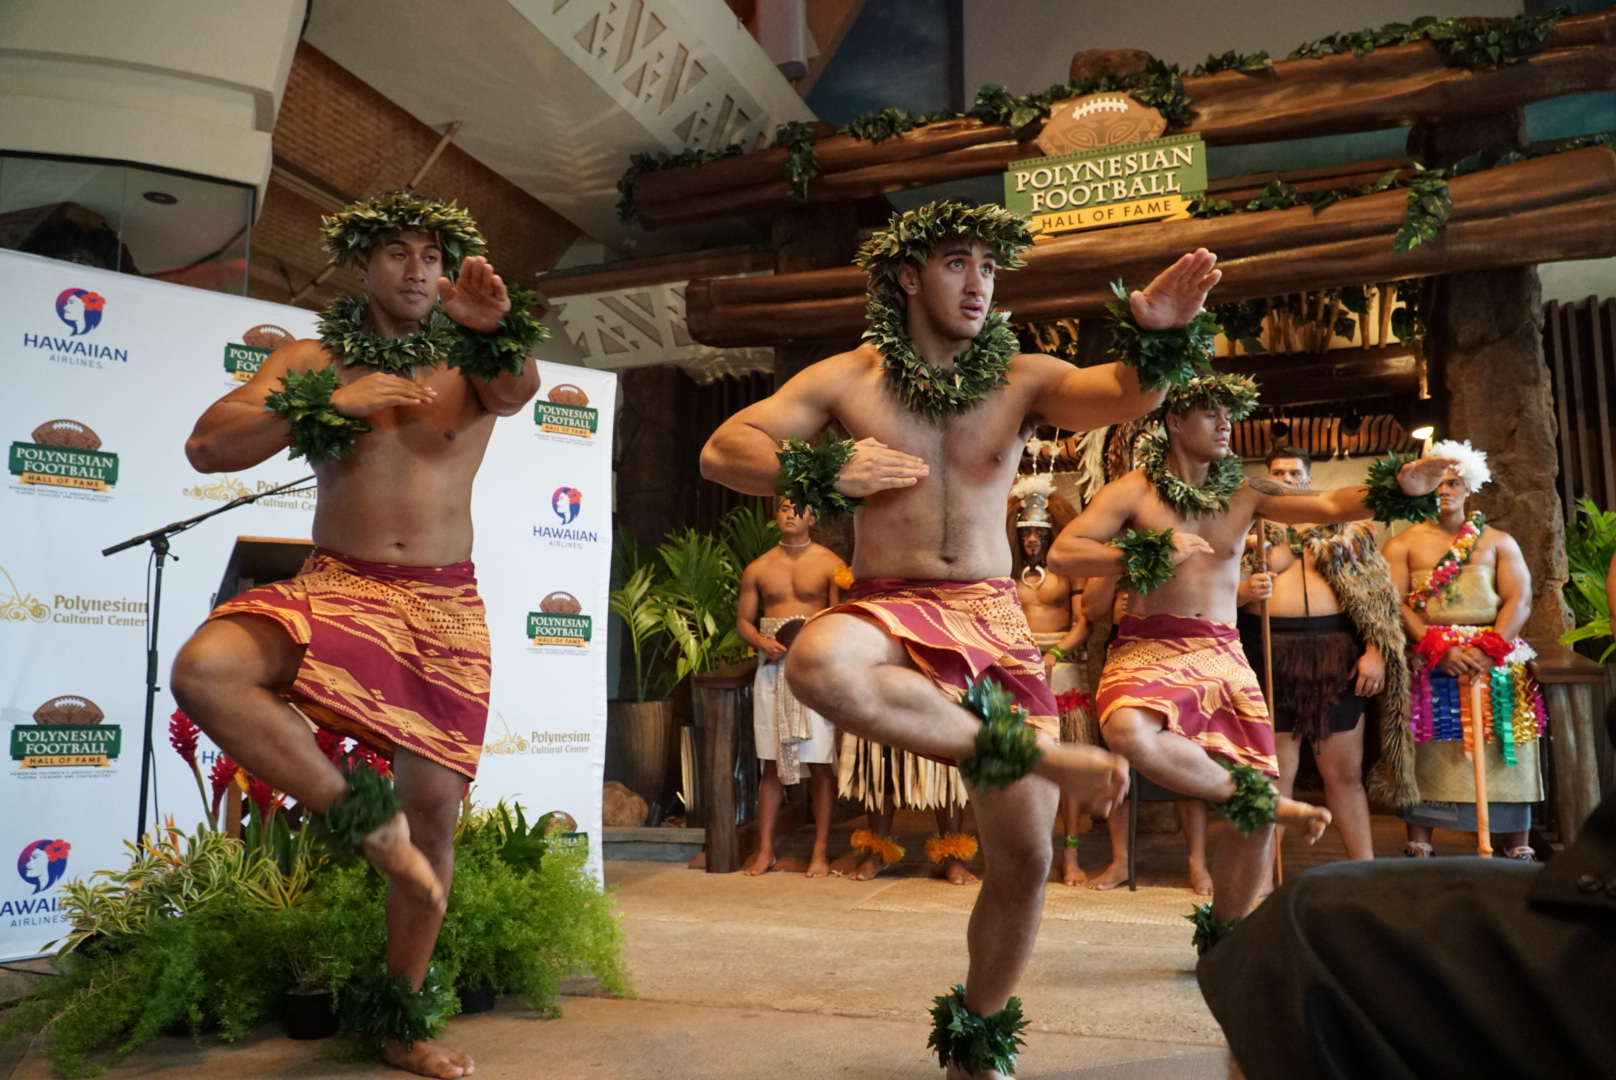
column 933, row 391
column 1222, row 481
column 342, row 330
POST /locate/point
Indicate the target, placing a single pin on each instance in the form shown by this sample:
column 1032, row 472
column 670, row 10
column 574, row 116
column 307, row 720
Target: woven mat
column 1147, row 907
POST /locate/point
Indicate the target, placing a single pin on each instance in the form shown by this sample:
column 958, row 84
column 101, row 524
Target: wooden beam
column 638, row 273
column 1391, row 87
column 1544, row 210
column 1339, row 375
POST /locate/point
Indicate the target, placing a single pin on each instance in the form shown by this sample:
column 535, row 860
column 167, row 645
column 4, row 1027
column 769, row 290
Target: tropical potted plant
column 1590, row 544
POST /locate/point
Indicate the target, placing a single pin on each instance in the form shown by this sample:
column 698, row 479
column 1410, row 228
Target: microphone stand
column 158, row 539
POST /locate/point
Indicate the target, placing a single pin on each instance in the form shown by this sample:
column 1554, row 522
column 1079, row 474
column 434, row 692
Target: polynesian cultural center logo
column 64, row 453
column 79, row 310
column 538, row 742
column 25, row 607
column 243, row 359
column 67, row 732
column 41, row 865
column 566, row 411
column 21, row 606
column 227, row 489
column 560, row 621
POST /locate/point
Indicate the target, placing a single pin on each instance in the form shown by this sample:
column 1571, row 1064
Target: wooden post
column 1261, row 565
column 1478, row 757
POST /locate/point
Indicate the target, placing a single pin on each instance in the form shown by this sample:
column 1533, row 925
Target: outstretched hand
column 1425, row 475
column 875, row 467
column 1178, row 294
column 478, row 301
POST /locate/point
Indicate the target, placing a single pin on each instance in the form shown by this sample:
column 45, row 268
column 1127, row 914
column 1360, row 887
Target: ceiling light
column 1352, row 423
column 1280, row 428
column 1423, row 419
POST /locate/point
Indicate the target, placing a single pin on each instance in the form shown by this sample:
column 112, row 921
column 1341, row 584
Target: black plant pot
column 476, row 995
column 309, row 1014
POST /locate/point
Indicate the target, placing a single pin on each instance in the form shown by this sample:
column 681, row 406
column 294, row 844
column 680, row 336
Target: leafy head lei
column 351, row 234
column 1237, row 392
column 914, row 236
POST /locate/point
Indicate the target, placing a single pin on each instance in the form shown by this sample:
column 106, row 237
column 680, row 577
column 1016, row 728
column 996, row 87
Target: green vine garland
column 1223, row 479
column 351, row 234
column 1169, row 357
column 319, row 432
column 1468, row 43
column 808, row 475
column 1386, row 499
column 1254, row 803
column 797, row 137
column 976, row 1043
column 384, row 1008
column 1147, row 559
column 342, row 330
column 1006, row 745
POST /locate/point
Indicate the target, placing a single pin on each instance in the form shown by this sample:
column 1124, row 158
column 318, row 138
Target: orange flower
column 844, row 577
column 954, row 845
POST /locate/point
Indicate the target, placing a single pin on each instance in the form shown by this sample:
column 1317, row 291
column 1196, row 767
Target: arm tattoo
column 1264, row 486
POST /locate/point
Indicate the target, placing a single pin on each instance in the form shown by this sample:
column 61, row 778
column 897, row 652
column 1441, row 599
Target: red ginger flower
column 330, row 744
column 1072, row 700
column 182, row 736
column 262, row 795
column 224, row 771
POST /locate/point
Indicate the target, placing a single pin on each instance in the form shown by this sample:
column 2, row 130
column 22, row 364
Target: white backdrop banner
column 104, row 375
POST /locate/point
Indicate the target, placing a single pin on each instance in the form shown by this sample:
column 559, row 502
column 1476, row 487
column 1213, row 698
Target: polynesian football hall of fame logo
column 67, row 732
column 559, row 621
column 565, row 412
column 64, row 454
column 242, row 359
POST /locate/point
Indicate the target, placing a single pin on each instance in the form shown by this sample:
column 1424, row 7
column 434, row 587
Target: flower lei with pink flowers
column 1448, row 567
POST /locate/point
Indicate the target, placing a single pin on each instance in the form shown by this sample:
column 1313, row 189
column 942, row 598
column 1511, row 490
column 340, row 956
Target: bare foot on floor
column 819, row 865
column 1071, row 873
column 956, row 1073
column 428, row 1057
column 1112, row 876
column 761, row 863
column 389, row 850
column 955, row 873
column 871, row 866
column 1094, row 779
column 1308, row 819
column 1200, row 879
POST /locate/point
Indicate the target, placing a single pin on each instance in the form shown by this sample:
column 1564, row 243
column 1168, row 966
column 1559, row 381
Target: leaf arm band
column 1254, row 803
column 1163, row 358
column 319, row 432
column 1147, row 558
column 504, row 350
column 808, row 477
column 1006, row 745
column 1386, row 499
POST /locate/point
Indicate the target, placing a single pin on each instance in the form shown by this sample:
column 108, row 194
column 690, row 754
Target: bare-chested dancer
column 1178, row 698
column 783, row 586
column 941, row 402
column 381, row 636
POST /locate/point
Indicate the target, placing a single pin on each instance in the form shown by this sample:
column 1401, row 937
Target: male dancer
column 1104, row 601
column 381, row 636
column 787, row 584
column 1178, row 699
column 1336, row 639
column 1467, row 594
column 941, row 401
column 1053, row 604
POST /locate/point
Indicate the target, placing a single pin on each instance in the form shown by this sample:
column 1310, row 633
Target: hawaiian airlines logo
column 43, row 863
column 80, row 309
column 566, row 502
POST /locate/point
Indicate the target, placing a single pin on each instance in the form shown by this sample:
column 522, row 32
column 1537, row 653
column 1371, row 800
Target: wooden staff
column 1478, row 756
column 1260, row 564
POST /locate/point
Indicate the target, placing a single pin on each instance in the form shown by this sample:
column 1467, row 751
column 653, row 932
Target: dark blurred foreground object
column 1455, row 967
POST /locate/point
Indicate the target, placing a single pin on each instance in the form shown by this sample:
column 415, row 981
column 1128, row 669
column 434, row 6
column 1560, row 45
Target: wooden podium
column 260, row 560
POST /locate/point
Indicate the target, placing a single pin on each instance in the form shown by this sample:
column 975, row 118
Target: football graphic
column 68, row 711
column 1088, row 123
column 560, row 822
column 68, row 433
column 568, row 394
column 267, row 337
column 561, row 603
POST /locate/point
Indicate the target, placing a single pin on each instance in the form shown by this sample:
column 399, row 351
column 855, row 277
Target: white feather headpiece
column 1472, row 463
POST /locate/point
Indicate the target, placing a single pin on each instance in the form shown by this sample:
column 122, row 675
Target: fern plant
column 1590, row 546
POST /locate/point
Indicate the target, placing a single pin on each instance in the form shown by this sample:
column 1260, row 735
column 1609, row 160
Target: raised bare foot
column 955, row 873
column 389, row 850
column 1309, row 819
column 761, row 863
column 1200, row 879
column 872, row 865
column 428, row 1057
column 1094, row 779
column 819, row 865
column 1112, row 876
column 1071, row 873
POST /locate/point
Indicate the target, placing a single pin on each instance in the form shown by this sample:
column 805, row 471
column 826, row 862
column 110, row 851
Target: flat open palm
column 1425, row 475
column 1179, row 292
column 478, row 300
